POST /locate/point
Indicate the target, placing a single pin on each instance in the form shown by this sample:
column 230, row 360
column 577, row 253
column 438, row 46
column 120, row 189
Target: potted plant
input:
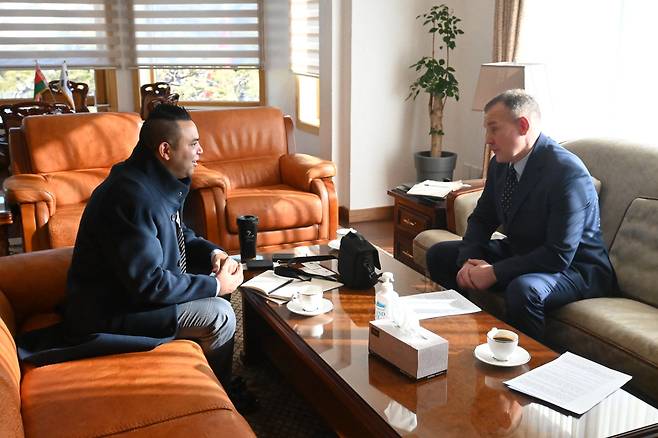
column 437, row 78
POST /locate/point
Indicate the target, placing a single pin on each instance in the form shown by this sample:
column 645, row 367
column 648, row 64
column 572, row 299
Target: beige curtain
column 507, row 23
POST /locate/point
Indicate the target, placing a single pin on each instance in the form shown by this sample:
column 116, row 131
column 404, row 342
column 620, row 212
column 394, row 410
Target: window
column 234, row 87
column 209, row 49
column 53, row 32
column 19, row 84
column 209, row 52
column 308, row 101
column 600, row 68
column 305, row 61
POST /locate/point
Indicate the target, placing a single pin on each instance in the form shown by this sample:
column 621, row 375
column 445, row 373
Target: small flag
column 64, row 88
column 40, row 83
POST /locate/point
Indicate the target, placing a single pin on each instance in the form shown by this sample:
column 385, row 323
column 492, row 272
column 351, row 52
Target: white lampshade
column 497, row 77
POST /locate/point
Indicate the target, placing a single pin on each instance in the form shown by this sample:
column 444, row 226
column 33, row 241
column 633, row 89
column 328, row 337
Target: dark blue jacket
column 125, row 281
column 553, row 224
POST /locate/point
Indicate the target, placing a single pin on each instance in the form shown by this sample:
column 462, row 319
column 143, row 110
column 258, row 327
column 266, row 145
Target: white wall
column 463, row 126
column 279, row 81
column 385, row 130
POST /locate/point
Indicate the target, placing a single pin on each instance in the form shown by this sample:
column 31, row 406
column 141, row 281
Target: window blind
column 305, row 37
column 194, row 33
column 131, row 33
column 77, row 31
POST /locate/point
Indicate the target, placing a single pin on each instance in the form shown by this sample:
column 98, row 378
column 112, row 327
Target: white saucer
column 519, row 357
column 295, row 307
column 334, row 244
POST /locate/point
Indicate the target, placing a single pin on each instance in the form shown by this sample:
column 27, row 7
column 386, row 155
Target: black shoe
column 243, row 399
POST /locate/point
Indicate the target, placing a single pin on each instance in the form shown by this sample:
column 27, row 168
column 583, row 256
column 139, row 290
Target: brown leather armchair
column 247, row 168
column 57, row 161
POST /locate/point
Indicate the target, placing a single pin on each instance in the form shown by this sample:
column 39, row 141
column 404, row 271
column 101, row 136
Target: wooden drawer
column 405, row 249
column 413, row 221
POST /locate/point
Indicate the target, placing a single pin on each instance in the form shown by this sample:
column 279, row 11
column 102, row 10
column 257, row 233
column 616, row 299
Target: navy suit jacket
column 553, row 224
column 125, row 281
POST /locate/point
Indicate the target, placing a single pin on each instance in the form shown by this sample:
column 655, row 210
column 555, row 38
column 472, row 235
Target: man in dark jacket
column 544, row 198
column 139, row 277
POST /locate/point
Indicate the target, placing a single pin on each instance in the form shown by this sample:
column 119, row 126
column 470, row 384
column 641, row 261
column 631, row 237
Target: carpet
column 283, row 412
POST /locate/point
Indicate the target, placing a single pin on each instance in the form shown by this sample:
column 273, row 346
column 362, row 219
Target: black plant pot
column 435, row 168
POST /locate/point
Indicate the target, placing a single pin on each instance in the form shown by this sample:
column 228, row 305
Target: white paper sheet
column 436, row 304
column 437, row 189
column 317, row 269
column 570, row 382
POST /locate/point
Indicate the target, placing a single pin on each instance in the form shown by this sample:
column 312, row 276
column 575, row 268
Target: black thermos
column 247, row 230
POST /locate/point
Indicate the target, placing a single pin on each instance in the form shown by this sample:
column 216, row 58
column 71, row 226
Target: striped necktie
column 510, row 185
column 181, row 244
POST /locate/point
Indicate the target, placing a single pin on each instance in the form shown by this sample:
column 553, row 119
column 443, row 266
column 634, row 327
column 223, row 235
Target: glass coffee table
column 325, row 357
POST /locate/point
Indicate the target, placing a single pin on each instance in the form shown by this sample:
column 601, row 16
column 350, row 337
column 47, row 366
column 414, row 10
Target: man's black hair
column 161, row 126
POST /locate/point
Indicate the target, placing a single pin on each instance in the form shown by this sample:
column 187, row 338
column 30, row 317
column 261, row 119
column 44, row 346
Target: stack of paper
column 436, row 304
column 570, row 382
column 437, row 189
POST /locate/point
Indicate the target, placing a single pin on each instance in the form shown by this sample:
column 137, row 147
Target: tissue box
column 419, row 355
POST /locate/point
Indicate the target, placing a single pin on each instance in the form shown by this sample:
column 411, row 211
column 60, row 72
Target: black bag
column 357, row 262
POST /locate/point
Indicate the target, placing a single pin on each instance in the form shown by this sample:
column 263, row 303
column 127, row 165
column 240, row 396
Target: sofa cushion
column 277, row 207
column 616, row 332
column 425, row 240
column 11, row 423
column 634, row 252
column 120, row 393
column 63, row 225
column 626, row 324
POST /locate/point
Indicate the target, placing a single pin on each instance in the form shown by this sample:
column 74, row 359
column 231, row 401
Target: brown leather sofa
column 169, row 391
column 57, row 161
column 248, row 167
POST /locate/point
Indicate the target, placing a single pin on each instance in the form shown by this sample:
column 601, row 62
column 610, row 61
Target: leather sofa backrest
column 74, row 152
column 243, row 144
column 79, row 141
column 627, row 170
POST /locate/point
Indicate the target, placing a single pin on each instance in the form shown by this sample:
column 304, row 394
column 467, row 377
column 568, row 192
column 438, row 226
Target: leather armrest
column 298, row 170
column 27, row 189
column 476, row 185
column 35, row 282
column 205, row 178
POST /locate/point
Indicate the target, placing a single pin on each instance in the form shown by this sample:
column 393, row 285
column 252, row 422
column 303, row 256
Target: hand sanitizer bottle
column 385, row 297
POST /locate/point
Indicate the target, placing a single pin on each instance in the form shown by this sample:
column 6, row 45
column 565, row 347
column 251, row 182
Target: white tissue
column 405, row 318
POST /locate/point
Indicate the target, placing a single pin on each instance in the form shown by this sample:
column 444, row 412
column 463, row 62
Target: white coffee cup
column 502, row 343
column 310, row 297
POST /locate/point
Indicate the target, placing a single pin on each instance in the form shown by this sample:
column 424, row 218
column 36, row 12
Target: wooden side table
column 412, row 215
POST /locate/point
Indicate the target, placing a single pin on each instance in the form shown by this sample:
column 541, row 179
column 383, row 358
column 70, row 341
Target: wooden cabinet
column 412, row 215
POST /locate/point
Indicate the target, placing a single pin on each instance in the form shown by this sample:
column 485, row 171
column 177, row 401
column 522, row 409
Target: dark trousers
column 527, row 297
column 210, row 322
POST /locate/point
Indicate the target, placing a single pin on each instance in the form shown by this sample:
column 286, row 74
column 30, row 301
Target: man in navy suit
column 544, row 198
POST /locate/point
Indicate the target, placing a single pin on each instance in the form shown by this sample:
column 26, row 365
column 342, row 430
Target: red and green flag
column 40, row 83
